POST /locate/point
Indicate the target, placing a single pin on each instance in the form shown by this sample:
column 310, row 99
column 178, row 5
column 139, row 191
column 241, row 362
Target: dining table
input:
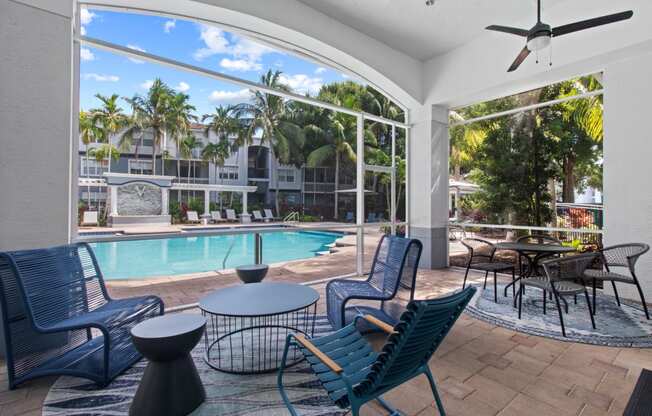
column 534, row 254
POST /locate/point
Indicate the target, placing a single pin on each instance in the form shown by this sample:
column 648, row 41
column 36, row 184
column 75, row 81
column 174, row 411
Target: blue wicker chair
column 59, row 319
column 391, row 281
column 353, row 373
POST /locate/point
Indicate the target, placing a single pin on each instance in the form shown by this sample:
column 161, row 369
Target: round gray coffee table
column 170, row 384
column 248, row 324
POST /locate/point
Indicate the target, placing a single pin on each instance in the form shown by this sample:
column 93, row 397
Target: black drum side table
column 170, row 385
column 247, row 325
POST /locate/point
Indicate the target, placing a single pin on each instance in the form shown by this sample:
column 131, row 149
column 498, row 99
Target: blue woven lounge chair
column 391, row 281
column 59, row 319
column 353, row 373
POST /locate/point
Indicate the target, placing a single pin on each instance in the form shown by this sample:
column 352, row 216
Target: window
column 229, row 173
column 140, row 167
column 286, row 175
column 92, row 167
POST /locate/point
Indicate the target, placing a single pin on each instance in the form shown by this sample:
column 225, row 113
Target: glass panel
column 377, row 197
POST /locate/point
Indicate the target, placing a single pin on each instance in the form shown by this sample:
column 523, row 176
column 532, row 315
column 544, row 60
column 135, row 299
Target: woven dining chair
column 622, row 256
column 353, row 374
column 483, row 250
column 560, row 279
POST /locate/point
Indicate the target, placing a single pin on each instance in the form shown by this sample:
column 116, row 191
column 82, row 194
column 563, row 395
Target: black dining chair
column 484, row 251
column 622, row 256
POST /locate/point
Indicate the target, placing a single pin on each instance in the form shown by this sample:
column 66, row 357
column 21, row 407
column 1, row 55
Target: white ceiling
column 425, row 31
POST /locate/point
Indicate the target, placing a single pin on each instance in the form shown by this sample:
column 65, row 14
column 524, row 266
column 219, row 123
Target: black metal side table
column 170, row 385
column 247, row 325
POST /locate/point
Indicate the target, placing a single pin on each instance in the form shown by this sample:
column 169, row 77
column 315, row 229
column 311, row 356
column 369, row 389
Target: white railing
column 292, row 216
column 585, row 234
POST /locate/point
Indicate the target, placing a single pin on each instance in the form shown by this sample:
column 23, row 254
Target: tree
column 188, row 144
column 152, row 112
column 179, row 120
column 88, row 133
column 225, row 126
column 270, row 115
column 110, row 120
column 333, row 132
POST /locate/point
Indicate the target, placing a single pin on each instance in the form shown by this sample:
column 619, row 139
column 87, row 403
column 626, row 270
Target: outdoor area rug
column 616, row 326
column 227, row 394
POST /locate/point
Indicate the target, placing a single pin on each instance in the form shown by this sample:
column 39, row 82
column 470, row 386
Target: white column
column 244, row 203
column 428, row 173
column 359, row 193
column 165, row 201
column 113, row 190
column 207, row 201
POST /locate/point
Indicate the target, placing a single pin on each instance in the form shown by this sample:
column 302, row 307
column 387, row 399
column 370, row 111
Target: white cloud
column 320, row 70
column 169, row 25
column 246, row 54
column 240, row 65
column 344, row 76
column 302, row 83
column 215, row 42
column 100, row 77
column 229, row 97
column 85, row 54
column 182, row 87
column 147, row 84
column 139, row 49
column 86, row 17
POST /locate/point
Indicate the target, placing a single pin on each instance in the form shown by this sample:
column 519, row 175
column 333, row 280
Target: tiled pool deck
column 481, row 369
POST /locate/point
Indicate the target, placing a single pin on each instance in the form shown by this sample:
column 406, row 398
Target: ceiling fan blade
column 519, row 59
column 510, row 30
column 587, row 24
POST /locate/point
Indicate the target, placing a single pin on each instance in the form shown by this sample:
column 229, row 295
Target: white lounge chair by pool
column 216, row 216
column 257, row 216
column 269, row 215
column 193, row 217
column 90, row 218
column 230, row 215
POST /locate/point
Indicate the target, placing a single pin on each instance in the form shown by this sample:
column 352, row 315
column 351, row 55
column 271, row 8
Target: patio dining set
column 545, row 263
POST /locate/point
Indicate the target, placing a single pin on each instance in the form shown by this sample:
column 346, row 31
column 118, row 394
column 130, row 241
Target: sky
column 189, row 42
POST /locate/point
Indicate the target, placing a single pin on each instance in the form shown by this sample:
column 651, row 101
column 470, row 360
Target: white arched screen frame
column 361, row 166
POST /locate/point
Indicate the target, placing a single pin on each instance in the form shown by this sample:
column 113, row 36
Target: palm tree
column 335, row 134
column 225, row 125
column 180, row 120
column 88, row 133
column 270, row 115
column 132, row 136
column 110, row 119
column 188, row 144
column 152, row 112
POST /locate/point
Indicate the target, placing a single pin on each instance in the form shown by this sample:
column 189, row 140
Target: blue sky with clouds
column 205, row 46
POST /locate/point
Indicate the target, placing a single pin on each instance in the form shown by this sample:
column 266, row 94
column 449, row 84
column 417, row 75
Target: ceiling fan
column 541, row 34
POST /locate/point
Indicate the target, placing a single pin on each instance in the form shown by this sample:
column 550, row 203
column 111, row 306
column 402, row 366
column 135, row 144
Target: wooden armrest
column 380, row 324
column 320, row 355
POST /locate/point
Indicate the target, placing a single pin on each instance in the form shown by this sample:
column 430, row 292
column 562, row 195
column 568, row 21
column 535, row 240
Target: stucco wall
column 35, row 108
column 627, row 168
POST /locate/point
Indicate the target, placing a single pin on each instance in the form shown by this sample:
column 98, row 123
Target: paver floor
column 481, row 369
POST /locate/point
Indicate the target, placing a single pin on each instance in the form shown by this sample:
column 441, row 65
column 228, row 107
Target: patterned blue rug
column 227, row 394
column 616, row 326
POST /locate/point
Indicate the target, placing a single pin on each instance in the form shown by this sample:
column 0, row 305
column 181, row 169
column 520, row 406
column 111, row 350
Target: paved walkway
column 481, row 369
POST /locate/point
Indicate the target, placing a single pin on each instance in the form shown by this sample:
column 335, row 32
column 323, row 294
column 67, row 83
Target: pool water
column 134, row 259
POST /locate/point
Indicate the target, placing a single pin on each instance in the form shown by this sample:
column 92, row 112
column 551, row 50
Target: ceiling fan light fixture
column 538, row 43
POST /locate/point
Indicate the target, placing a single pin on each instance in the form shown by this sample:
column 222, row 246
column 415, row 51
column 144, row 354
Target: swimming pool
column 134, row 259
